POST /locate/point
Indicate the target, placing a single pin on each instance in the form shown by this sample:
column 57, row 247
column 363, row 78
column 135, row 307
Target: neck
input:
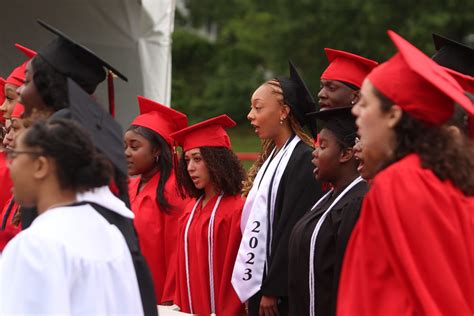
column 344, row 181
column 209, row 193
column 146, row 176
column 282, row 137
column 59, row 198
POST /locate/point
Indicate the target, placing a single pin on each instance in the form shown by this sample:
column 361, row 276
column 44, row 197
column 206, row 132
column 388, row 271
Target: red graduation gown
column 411, row 252
column 6, row 183
column 227, row 236
column 158, row 231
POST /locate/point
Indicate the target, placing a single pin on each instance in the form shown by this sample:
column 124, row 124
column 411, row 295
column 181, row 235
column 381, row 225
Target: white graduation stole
column 257, row 220
column 210, row 257
column 314, row 236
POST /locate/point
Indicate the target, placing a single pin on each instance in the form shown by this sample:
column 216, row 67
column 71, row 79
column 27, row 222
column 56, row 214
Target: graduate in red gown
column 10, row 216
column 10, row 111
column 153, row 194
column 210, row 227
column 411, row 252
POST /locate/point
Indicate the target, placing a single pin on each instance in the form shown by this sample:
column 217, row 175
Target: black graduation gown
column 331, row 244
column 297, row 192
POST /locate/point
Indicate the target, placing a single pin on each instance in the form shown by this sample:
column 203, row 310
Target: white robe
column 70, row 261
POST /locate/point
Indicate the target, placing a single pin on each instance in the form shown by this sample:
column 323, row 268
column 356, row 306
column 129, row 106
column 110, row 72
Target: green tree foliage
column 253, row 39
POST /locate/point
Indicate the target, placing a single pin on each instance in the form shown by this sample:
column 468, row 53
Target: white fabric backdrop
column 132, row 35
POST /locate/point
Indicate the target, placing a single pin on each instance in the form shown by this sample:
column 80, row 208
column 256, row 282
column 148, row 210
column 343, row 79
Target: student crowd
column 360, row 204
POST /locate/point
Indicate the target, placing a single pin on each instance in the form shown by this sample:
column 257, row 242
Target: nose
column 3, row 107
column 315, row 152
column 8, row 138
column 190, row 166
column 356, row 109
column 250, row 116
column 322, row 93
column 127, row 152
column 19, row 91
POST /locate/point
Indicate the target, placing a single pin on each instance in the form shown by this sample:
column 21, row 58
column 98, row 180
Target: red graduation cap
column 347, row 67
column 17, row 76
column 208, row 133
column 418, row 85
column 160, row 118
column 2, row 90
column 18, row 111
column 28, row 52
column 465, row 81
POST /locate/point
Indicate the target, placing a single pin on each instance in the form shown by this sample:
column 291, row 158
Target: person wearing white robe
column 70, row 261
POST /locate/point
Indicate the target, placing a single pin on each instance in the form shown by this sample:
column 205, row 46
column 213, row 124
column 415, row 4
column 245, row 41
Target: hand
column 268, row 306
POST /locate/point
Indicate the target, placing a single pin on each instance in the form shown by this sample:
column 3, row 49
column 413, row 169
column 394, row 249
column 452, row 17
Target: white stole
column 257, row 220
column 314, row 236
column 210, row 257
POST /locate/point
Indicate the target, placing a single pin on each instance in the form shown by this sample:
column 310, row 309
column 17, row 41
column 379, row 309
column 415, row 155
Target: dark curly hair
column 50, row 84
column 225, row 171
column 165, row 162
column 449, row 158
column 79, row 165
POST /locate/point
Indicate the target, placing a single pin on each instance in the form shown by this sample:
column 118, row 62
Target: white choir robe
column 70, row 261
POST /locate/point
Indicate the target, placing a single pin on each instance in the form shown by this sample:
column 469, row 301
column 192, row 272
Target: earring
column 352, row 102
column 281, row 122
column 157, row 158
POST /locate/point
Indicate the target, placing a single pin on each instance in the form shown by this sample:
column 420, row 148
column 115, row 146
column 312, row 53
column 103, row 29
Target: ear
column 346, row 155
column 284, row 112
column 394, row 115
column 42, row 168
column 156, row 151
column 355, row 97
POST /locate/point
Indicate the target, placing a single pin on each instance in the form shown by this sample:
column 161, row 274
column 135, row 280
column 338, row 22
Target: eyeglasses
column 12, row 154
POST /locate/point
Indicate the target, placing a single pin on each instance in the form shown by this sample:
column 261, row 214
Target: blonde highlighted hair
column 268, row 145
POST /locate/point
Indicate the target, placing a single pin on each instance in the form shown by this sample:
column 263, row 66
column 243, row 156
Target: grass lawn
column 244, row 139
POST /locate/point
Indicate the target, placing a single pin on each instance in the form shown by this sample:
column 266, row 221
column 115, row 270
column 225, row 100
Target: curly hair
column 79, row 165
column 50, row 84
column 225, row 172
column 165, row 162
column 268, row 144
column 449, row 158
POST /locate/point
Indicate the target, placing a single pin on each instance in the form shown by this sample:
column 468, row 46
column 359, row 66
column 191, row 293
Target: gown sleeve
column 298, row 191
column 411, row 251
column 171, row 234
column 32, row 271
column 228, row 303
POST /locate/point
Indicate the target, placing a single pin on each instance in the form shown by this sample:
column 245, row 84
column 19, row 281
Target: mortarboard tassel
column 175, row 157
column 111, row 93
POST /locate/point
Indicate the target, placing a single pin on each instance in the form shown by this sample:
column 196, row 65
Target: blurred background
column 206, row 57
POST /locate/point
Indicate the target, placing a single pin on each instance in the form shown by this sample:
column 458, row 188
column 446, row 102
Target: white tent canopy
column 133, row 36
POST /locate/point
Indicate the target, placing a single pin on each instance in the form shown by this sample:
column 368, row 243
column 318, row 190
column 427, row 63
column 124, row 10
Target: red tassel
column 175, row 158
column 110, row 90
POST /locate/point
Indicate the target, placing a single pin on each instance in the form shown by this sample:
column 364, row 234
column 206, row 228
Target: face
column 14, row 128
column 333, row 94
column 376, row 129
column 326, row 157
column 197, row 168
column 23, row 165
column 11, row 98
column 266, row 112
column 140, row 154
column 28, row 92
column 359, row 156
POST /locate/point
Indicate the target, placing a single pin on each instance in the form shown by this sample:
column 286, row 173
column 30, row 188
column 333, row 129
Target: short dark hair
column 79, row 165
column 165, row 162
column 448, row 159
column 225, row 171
column 50, row 84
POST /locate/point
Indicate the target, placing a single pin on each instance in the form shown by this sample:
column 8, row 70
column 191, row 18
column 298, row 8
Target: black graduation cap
column 106, row 133
column 78, row 62
column 340, row 121
column 453, row 55
column 299, row 98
